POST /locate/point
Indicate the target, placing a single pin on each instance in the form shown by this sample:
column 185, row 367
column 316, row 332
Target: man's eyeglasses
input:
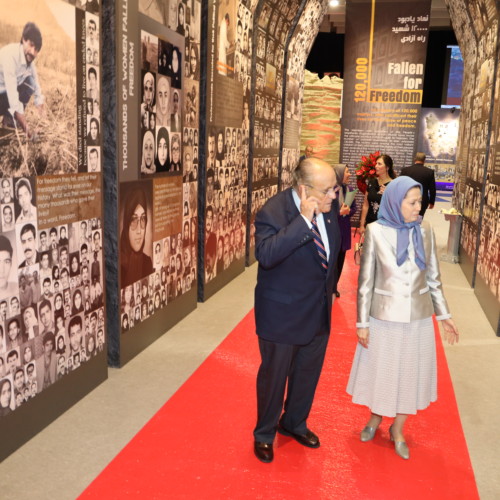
column 135, row 220
column 325, row 192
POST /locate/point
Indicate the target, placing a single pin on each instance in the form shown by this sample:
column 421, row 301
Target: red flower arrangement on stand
column 365, row 170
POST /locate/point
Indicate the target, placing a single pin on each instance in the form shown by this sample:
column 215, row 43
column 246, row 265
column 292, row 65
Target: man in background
column 426, row 177
column 307, row 153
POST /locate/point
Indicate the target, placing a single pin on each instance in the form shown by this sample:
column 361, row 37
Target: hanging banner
column 385, row 50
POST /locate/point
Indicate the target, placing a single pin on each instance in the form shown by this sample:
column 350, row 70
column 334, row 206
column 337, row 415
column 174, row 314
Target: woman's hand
column 450, row 331
column 344, row 210
column 361, row 229
column 363, row 334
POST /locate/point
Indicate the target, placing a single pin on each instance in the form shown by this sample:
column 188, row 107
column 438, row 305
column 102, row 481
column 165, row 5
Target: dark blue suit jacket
column 291, row 286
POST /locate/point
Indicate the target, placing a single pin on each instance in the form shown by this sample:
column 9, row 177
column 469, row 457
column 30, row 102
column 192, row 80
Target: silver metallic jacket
column 403, row 293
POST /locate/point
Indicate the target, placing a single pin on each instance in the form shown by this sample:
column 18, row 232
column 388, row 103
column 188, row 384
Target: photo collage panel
column 51, row 296
column 161, row 106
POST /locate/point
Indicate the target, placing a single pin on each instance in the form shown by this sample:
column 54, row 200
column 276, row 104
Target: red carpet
column 199, row 445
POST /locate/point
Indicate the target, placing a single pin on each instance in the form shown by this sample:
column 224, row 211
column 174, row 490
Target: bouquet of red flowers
column 365, row 170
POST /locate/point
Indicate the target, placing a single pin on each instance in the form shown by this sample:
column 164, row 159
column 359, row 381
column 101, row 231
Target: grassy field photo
column 53, row 148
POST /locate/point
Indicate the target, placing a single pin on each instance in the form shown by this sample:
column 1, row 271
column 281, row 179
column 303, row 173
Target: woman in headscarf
column 163, row 102
column 94, row 136
column 162, row 160
column 175, row 163
column 180, row 19
column 148, row 153
column 176, row 68
column 5, row 397
column 344, row 216
column 135, row 264
column 77, row 306
column 399, row 289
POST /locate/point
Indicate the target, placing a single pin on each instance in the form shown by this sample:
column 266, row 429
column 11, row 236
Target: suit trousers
column 300, row 366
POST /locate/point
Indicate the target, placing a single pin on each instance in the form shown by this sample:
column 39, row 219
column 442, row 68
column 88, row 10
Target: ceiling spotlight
column 333, row 3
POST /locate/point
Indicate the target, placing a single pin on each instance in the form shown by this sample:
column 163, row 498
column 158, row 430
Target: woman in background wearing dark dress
column 135, row 264
column 344, row 216
column 385, row 173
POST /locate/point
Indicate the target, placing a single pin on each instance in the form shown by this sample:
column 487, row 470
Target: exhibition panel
column 477, row 192
column 52, row 316
column 298, row 48
column 383, row 79
column 157, row 87
column 274, row 23
column 225, row 176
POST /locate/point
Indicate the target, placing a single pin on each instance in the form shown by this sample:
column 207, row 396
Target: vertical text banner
column 385, row 49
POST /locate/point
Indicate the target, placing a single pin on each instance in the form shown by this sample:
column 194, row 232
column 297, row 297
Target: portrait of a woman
column 74, row 269
column 135, row 264
column 219, row 152
column 60, row 344
column 194, row 62
column 94, row 136
column 163, row 102
column 162, row 160
column 127, row 299
column 180, row 19
column 176, row 68
column 175, row 163
column 125, row 323
column 58, row 304
column 5, row 397
column 77, row 306
column 30, row 323
column 148, row 149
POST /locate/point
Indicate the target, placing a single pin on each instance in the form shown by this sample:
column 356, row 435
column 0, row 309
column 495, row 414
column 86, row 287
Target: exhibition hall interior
column 148, row 149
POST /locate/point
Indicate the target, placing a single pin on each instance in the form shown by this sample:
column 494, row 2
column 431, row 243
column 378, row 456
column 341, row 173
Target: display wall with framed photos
column 152, row 281
column 52, row 307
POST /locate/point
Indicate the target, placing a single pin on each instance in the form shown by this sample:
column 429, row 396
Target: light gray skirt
column 397, row 373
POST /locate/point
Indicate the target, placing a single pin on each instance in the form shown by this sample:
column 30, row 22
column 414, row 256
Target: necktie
column 319, row 244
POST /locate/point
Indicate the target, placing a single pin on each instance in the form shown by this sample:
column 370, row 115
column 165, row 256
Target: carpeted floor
column 199, row 445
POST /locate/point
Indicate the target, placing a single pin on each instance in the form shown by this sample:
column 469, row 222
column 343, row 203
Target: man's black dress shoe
column 308, row 439
column 337, row 294
column 263, row 451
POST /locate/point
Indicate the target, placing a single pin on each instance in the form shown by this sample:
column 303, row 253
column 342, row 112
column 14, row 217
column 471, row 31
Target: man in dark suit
column 307, row 153
column 293, row 300
column 425, row 176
